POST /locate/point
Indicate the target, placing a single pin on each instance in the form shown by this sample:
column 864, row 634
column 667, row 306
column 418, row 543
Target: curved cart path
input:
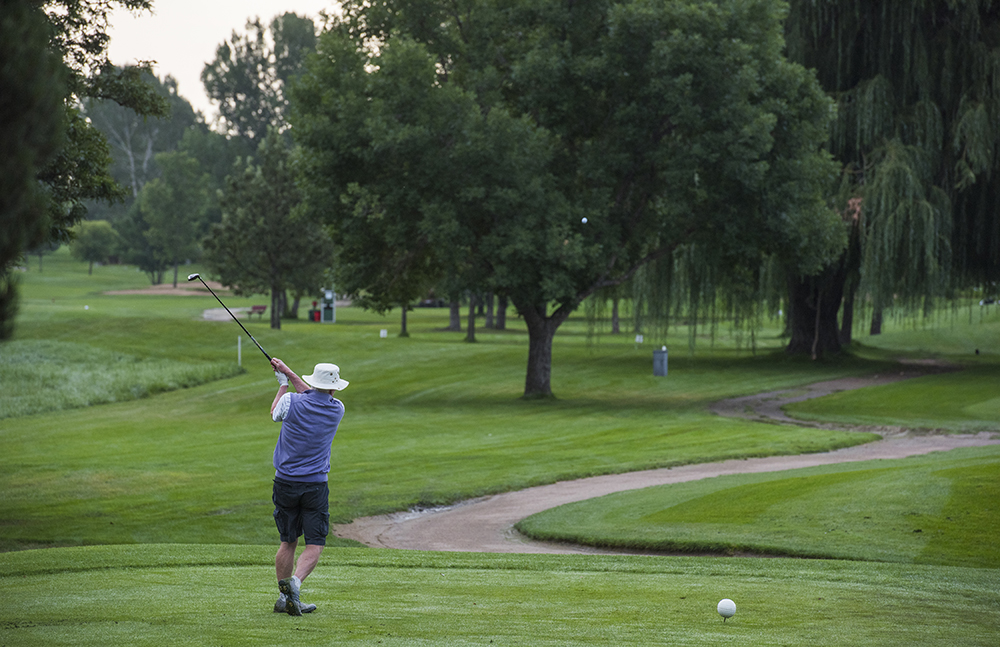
column 487, row 524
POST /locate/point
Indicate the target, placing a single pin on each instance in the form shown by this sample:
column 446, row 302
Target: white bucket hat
column 326, row 377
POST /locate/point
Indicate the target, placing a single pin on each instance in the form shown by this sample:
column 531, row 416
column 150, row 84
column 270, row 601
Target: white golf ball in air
column 584, row 221
column 726, row 608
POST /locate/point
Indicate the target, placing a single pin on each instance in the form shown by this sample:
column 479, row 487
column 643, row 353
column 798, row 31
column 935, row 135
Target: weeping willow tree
column 917, row 133
column 697, row 290
column 917, row 86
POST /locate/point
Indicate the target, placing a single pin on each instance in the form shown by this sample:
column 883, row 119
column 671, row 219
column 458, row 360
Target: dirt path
column 487, row 524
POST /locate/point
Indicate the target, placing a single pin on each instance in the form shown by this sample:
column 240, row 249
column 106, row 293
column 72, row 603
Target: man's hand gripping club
column 285, row 376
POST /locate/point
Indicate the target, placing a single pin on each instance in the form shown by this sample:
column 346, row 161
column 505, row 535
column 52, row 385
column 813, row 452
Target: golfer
column 309, row 419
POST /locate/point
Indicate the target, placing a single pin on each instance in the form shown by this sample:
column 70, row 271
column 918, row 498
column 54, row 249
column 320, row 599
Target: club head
column 192, row 277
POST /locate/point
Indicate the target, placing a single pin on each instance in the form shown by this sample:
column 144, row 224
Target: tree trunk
column 851, row 261
column 615, row 323
column 488, row 323
column 454, row 317
column 403, row 332
column 814, row 303
column 847, row 320
column 876, row 328
column 501, row 322
column 541, row 330
column 276, row 307
column 176, row 264
column 8, row 302
column 470, row 334
column 90, row 271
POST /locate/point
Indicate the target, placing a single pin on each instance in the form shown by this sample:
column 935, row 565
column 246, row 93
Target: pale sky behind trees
column 182, row 35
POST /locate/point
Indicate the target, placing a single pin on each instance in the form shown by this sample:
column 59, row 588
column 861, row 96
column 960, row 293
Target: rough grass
column 942, row 508
column 43, row 375
column 223, row 595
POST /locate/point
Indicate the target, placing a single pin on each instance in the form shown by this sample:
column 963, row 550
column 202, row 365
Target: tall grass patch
column 44, row 375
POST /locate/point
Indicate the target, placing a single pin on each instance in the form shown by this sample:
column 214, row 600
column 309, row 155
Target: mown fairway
column 430, row 420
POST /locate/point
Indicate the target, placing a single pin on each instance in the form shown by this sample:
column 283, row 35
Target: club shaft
column 235, row 319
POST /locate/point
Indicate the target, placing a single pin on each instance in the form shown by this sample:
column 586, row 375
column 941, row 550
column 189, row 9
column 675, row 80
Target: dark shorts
column 302, row 509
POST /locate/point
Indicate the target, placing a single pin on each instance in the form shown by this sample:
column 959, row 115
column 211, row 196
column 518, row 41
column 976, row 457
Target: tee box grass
column 221, row 595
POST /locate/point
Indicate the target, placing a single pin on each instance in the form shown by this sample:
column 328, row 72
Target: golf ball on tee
column 727, row 608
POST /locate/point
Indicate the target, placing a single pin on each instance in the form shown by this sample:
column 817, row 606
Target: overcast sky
column 181, row 36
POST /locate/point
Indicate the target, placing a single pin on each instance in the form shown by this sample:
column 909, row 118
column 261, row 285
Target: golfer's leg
column 316, row 526
column 284, row 561
column 307, row 561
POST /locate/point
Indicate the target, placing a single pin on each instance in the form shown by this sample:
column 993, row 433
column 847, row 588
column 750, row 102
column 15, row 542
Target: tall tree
column 248, row 76
column 263, row 243
column 917, row 83
column 135, row 139
column 568, row 144
column 174, row 206
column 32, row 87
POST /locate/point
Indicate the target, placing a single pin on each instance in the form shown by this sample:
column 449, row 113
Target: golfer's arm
column 282, row 390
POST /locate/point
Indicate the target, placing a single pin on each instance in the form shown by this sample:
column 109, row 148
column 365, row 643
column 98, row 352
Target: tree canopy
column 80, row 170
column 563, row 146
column 94, row 241
column 248, row 76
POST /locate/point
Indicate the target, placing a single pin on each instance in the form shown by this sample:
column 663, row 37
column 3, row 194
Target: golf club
column 192, row 277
